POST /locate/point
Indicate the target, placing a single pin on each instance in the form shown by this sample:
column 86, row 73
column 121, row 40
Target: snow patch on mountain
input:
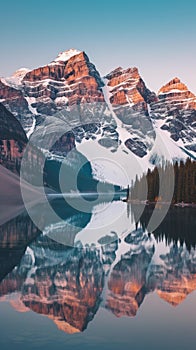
column 30, row 101
column 107, row 94
column 15, row 80
column 107, row 218
column 118, row 167
column 32, row 128
column 66, row 55
column 164, row 148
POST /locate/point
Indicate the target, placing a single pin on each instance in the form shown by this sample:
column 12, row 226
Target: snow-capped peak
column 66, row 55
column 16, row 78
column 20, row 72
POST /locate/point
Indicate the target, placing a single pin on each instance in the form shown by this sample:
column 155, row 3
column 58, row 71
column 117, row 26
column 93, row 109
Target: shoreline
column 180, row 204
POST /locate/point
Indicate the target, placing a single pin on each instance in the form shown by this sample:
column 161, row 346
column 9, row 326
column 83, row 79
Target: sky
column 158, row 37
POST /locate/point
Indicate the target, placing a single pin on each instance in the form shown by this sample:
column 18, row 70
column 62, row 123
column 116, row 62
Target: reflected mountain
column 127, row 282
column 68, row 284
column 64, row 284
column 174, row 277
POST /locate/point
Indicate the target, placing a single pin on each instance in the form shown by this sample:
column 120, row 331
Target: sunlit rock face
column 68, row 80
column 128, row 88
column 64, row 82
column 67, row 89
column 176, row 94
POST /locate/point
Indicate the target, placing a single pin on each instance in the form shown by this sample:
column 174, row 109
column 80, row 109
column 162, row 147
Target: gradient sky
column 159, row 37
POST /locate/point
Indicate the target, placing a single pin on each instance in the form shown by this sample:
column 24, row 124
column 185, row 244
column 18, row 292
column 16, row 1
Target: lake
column 98, row 279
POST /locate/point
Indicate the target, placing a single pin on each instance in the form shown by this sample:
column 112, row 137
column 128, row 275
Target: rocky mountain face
column 117, row 112
column 176, row 109
column 63, row 83
column 129, row 98
column 128, row 88
column 13, row 99
column 176, row 94
column 12, row 140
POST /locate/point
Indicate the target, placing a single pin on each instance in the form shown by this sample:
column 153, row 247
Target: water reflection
column 69, row 284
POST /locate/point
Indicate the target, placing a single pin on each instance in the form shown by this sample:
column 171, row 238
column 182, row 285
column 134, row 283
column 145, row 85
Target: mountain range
column 124, row 119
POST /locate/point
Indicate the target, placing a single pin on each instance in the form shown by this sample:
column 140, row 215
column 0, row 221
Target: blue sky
column 156, row 36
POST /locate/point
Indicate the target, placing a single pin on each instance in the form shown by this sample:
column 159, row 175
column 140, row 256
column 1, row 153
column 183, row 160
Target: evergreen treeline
column 173, row 183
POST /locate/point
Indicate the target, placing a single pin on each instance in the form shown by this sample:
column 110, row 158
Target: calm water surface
column 114, row 285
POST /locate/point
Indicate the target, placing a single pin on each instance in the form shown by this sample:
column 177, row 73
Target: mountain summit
column 178, row 94
column 66, row 55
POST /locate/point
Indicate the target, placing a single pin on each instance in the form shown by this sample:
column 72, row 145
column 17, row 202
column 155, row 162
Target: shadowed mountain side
column 15, row 236
column 12, row 140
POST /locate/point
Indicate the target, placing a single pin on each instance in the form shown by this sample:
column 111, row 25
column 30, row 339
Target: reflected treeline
column 179, row 224
column 68, row 284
